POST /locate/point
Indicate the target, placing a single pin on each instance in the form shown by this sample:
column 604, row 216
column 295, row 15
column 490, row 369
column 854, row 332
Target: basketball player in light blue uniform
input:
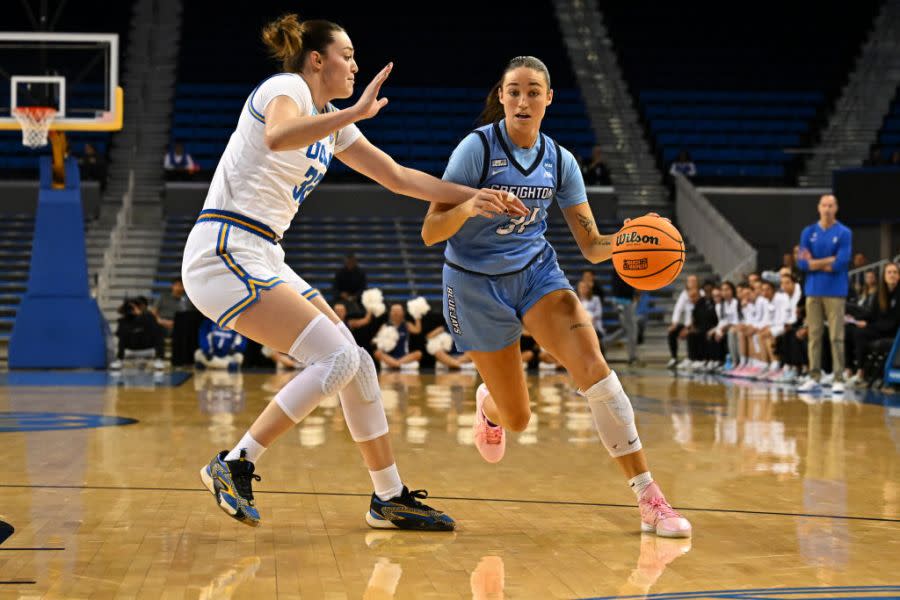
column 500, row 273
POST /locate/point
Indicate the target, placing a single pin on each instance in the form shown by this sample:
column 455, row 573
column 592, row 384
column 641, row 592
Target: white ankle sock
column 387, row 482
column 254, row 449
column 639, row 483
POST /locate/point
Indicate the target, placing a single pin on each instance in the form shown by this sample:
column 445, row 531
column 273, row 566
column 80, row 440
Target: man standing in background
column 825, row 248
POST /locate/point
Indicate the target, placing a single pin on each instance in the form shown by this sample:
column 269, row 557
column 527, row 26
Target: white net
column 35, row 122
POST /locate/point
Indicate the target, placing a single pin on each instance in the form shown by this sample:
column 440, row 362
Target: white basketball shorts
column 229, row 261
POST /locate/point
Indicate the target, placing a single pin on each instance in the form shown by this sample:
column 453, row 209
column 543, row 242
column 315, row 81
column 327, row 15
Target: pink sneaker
column 774, row 375
column 751, row 372
column 658, row 516
column 733, row 372
column 490, row 441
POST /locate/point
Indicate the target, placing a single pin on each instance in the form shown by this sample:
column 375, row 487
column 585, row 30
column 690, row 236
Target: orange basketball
column 648, row 253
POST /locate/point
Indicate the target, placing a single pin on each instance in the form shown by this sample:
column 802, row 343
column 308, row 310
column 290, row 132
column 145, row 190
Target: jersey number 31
column 519, row 224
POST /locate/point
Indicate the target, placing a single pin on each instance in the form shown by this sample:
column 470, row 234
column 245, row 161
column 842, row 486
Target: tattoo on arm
column 586, row 222
column 579, row 326
column 603, row 242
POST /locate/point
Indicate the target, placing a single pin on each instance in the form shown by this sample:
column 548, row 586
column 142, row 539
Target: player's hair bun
column 283, row 36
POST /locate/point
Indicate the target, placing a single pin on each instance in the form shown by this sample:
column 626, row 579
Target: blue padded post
column 58, row 324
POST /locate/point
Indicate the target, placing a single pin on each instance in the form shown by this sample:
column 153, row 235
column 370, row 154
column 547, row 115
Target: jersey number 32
column 313, row 176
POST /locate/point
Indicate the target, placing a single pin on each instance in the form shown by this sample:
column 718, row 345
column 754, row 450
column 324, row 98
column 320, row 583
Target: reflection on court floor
column 789, row 498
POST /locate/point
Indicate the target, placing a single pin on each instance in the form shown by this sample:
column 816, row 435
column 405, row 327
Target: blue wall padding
column 58, row 324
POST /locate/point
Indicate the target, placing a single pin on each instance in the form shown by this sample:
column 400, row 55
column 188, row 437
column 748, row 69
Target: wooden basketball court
column 788, row 498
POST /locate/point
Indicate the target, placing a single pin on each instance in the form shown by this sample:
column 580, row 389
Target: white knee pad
column 345, row 331
column 322, row 343
column 613, row 416
column 361, row 401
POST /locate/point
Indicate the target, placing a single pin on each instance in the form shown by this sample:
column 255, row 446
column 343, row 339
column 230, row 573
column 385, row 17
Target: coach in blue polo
column 825, row 249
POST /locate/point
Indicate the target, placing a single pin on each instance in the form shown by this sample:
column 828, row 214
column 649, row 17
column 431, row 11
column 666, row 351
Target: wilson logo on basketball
column 636, row 238
column 635, row 265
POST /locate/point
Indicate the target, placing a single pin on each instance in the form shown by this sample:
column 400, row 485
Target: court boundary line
column 458, row 498
column 757, row 593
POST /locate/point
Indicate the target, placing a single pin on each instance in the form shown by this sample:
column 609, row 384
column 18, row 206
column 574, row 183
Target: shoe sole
column 647, row 528
column 226, row 508
column 378, row 523
column 385, row 524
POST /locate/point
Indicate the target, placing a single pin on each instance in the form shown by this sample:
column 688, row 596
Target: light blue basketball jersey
column 537, row 175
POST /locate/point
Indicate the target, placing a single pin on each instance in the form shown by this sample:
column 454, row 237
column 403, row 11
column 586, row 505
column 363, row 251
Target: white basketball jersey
column 263, row 184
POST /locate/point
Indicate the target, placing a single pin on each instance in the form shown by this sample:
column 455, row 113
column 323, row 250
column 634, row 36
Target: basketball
column 648, row 253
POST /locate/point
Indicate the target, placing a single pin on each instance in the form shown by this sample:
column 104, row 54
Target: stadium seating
column 16, row 233
column 419, row 129
column 708, row 83
column 889, row 136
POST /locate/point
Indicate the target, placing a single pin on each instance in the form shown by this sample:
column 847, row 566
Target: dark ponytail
column 493, row 110
column 291, row 40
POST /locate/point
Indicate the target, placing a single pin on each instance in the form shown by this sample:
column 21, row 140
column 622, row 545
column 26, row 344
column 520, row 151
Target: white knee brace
column 330, row 362
column 613, row 416
column 321, row 343
column 361, row 398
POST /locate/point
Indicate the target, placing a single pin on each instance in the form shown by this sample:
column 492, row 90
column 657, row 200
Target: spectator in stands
column 595, row 171
column 703, row 320
column 789, row 262
column 859, row 260
column 681, row 318
column 739, row 358
column 179, row 165
column 895, row 159
column 349, row 284
column 861, row 306
column 727, row 315
column 787, row 344
column 884, row 322
column 138, row 330
column 588, row 276
column 684, row 165
column 169, row 303
column 825, row 257
column 93, row 166
column 363, row 328
column 593, row 306
column 874, row 159
column 399, row 355
column 219, row 348
column 626, row 308
column 453, row 359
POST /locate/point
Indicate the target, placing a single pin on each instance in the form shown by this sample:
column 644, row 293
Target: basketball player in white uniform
column 234, row 270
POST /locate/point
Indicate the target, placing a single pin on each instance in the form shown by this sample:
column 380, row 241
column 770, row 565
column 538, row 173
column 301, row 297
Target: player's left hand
column 652, row 214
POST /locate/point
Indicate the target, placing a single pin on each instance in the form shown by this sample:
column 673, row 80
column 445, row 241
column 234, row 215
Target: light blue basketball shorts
column 484, row 312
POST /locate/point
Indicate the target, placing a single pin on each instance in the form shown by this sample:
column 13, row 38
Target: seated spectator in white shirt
column 178, row 163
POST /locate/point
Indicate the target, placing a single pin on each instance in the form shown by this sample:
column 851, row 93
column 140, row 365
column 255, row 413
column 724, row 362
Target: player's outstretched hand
column 487, row 203
column 369, row 103
column 513, row 204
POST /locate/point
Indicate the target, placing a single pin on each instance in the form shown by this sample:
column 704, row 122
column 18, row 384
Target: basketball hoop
column 35, row 122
